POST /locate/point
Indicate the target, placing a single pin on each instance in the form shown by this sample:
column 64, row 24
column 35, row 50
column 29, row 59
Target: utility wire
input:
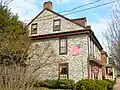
column 80, row 6
column 92, row 7
column 73, row 8
column 97, row 6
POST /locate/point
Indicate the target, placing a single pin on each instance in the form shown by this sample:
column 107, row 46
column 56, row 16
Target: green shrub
column 102, row 83
column 110, row 83
column 94, row 85
column 66, row 84
column 56, row 84
column 53, row 83
column 86, row 85
column 41, row 84
column 80, row 85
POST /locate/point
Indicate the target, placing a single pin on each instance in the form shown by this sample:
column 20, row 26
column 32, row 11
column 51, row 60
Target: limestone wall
column 45, row 24
column 77, row 64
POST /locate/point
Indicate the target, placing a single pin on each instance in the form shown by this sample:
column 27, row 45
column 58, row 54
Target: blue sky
column 98, row 18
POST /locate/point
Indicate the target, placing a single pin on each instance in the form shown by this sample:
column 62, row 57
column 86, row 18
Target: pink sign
column 95, row 70
column 75, row 50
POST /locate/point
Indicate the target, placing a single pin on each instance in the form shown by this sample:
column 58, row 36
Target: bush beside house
column 56, row 84
column 80, row 85
column 94, row 85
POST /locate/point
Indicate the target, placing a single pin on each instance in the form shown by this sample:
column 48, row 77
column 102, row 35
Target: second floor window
column 34, row 28
column 63, row 45
column 90, row 47
column 56, row 25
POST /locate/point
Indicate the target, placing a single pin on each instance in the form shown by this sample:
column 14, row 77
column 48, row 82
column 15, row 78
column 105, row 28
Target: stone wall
column 45, row 24
column 77, row 64
column 94, row 51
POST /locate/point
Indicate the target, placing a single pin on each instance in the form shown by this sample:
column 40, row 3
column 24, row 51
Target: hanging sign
column 95, row 70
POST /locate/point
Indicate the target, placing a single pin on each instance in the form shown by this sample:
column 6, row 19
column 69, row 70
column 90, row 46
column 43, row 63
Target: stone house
column 73, row 41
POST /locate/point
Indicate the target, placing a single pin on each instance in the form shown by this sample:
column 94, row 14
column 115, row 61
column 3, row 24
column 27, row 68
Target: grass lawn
column 39, row 88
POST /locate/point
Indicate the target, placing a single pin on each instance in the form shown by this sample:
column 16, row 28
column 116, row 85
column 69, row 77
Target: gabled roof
column 83, row 18
column 56, row 14
column 81, row 21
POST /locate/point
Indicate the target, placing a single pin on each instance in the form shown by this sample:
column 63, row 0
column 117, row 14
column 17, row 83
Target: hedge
column 80, row 85
column 94, row 85
column 56, row 84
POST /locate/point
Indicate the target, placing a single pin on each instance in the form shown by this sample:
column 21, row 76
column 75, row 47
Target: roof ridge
column 56, row 14
column 78, row 18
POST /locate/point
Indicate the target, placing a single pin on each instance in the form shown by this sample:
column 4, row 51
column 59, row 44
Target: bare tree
column 113, row 37
column 22, row 61
column 33, row 60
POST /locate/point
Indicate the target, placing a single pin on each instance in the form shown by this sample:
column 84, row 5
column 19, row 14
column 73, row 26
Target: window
column 93, row 50
column 34, row 28
column 56, row 25
column 90, row 47
column 63, row 71
column 109, row 71
column 63, row 45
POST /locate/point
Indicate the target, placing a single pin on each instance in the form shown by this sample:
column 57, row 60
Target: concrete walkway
column 117, row 85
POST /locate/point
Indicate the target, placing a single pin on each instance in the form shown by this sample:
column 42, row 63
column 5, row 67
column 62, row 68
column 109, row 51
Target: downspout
column 88, row 58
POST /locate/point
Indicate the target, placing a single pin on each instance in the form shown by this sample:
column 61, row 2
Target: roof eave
column 60, row 34
column 96, row 41
column 56, row 14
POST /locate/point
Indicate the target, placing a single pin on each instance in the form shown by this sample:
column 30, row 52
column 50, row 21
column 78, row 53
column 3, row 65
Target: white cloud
column 73, row 1
column 100, row 26
column 63, row 1
column 26, row 9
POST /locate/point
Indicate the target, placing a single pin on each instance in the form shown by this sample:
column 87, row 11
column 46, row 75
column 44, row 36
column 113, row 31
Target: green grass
column 39, row 88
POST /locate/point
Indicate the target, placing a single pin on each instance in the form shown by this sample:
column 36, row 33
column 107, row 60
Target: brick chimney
column 47, row 5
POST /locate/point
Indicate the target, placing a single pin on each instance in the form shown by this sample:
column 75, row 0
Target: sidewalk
column 117, row 85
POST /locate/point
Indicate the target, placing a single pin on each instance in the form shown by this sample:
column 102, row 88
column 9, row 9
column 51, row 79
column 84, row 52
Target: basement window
column 56, row 25
column 63, row 71
column 34, row 28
